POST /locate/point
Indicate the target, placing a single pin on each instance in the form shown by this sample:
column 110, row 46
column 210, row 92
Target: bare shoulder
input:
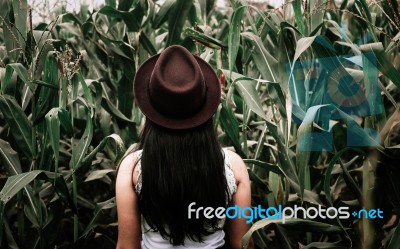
column 129, row 232
column 127, row 172
column 238, row 166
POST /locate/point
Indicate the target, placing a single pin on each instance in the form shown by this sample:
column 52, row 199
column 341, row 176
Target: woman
column 179, row 169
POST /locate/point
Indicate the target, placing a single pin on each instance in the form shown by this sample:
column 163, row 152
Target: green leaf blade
column 234, row 36
column 21, row 126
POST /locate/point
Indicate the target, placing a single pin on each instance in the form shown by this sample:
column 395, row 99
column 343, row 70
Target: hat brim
column 210, row 106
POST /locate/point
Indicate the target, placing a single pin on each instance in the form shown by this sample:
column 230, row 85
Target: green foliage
column 67, row 113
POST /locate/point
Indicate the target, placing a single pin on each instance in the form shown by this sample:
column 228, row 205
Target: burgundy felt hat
column 176, row 89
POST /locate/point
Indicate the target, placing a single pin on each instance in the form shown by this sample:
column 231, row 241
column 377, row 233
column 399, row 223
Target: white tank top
column 152, row 239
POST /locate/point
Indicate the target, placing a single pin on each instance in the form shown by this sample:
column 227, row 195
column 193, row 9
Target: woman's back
column 131, row 223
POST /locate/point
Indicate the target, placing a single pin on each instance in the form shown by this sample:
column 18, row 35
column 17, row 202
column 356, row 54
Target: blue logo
column 334, row 88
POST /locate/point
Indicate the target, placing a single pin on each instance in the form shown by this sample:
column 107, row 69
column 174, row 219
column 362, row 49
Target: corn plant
column 285, row 64
column 59, row 146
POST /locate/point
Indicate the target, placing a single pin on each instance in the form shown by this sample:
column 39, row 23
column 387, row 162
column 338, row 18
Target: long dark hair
column 178, row 168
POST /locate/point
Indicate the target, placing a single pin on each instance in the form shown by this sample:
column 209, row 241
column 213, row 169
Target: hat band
column 176, row 111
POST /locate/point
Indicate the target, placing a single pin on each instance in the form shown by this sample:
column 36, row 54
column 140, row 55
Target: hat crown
column 176, row 87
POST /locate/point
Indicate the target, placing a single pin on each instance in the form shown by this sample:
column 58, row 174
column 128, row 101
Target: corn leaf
column 132, row 18
column 234, row 36
column 177, row 17
column 294, row 224
column 21, row 126
column 10, row 158
column 395, row 241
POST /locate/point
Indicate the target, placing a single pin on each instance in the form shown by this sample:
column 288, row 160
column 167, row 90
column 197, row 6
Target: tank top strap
column 230, row 177
column 138, row 186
